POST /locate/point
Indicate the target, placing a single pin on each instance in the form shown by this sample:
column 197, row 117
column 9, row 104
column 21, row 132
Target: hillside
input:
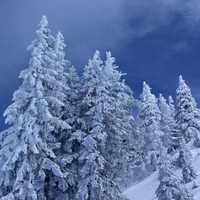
column 145, row 190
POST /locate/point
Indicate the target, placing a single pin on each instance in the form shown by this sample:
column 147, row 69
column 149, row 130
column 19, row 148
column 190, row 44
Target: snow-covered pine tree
column 187, row 113
column 64, row 187
column 170, row 187
column 119, row 123
column 27, row 151
column 184, row 161
column 168, row 123
column 149, row 124
column 166, row 120
column 95, row 182
column 176, row 135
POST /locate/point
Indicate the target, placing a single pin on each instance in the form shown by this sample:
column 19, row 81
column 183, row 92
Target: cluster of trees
column 75, row 138
column 182, row 123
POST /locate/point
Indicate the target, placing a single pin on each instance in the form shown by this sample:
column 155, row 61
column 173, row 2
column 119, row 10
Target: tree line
column 73, row 137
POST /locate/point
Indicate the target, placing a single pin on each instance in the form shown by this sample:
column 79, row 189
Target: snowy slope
column 145, row 190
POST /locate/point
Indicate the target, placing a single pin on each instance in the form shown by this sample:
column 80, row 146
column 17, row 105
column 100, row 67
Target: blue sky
column 152, row 40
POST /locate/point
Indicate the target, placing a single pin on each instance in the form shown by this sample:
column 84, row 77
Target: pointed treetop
column 44, row 21
column 43, row 25
column 183, row 85
column 97, row 55
column 60, row 36
column 163, row 105
column 146, row 92
column 181, row 79
column 170, row 100
column 184, row 90
column 94, row 66
column 148, row 99
column 42, row 36
column 146, row 88
column 162, row 98
column 110, row 60
column 145, row 84
column 60, row 42
column 96, row 60
column 108, row 54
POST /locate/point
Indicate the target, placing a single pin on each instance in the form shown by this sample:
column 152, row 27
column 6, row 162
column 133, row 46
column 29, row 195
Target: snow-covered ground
column 145, row 190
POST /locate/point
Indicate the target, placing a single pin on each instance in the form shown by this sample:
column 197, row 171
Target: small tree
column 184, row 161
column 170, row 187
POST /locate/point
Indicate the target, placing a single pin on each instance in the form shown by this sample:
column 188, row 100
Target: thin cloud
column 148, row 16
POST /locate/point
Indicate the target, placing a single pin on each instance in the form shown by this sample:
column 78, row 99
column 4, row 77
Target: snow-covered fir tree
column 187, row 113
column 119, row 123
column 176, row 135
column 185, row 162
column 170, row 187
column 27, row 154
column 95, row 182
column 66, row 154
column 149, row 124
column 168, row 124
column 167, row 120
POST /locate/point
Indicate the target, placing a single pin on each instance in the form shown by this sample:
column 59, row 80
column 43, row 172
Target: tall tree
column 187, row 113
column 168, row 123
column 119, row 123
column 27, row 150
column 149, row 123
column 66, row 91
column 166, row 120
column 95, row 182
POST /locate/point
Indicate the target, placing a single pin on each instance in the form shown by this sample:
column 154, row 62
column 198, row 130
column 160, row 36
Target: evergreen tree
column 187, row 114
column 185, row 162
column 166, row 120
column 66, row 155
column 168, row 124
column 119, row 123
column 175, row 135
column 149, row 123
column 170, row 187
column 27, row 151
column 94, row 182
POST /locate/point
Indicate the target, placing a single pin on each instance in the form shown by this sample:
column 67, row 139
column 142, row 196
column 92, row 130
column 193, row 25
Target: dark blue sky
column 152, row 40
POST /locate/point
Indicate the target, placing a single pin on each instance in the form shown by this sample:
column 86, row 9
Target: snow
column 196, row 157
column 145, row 190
